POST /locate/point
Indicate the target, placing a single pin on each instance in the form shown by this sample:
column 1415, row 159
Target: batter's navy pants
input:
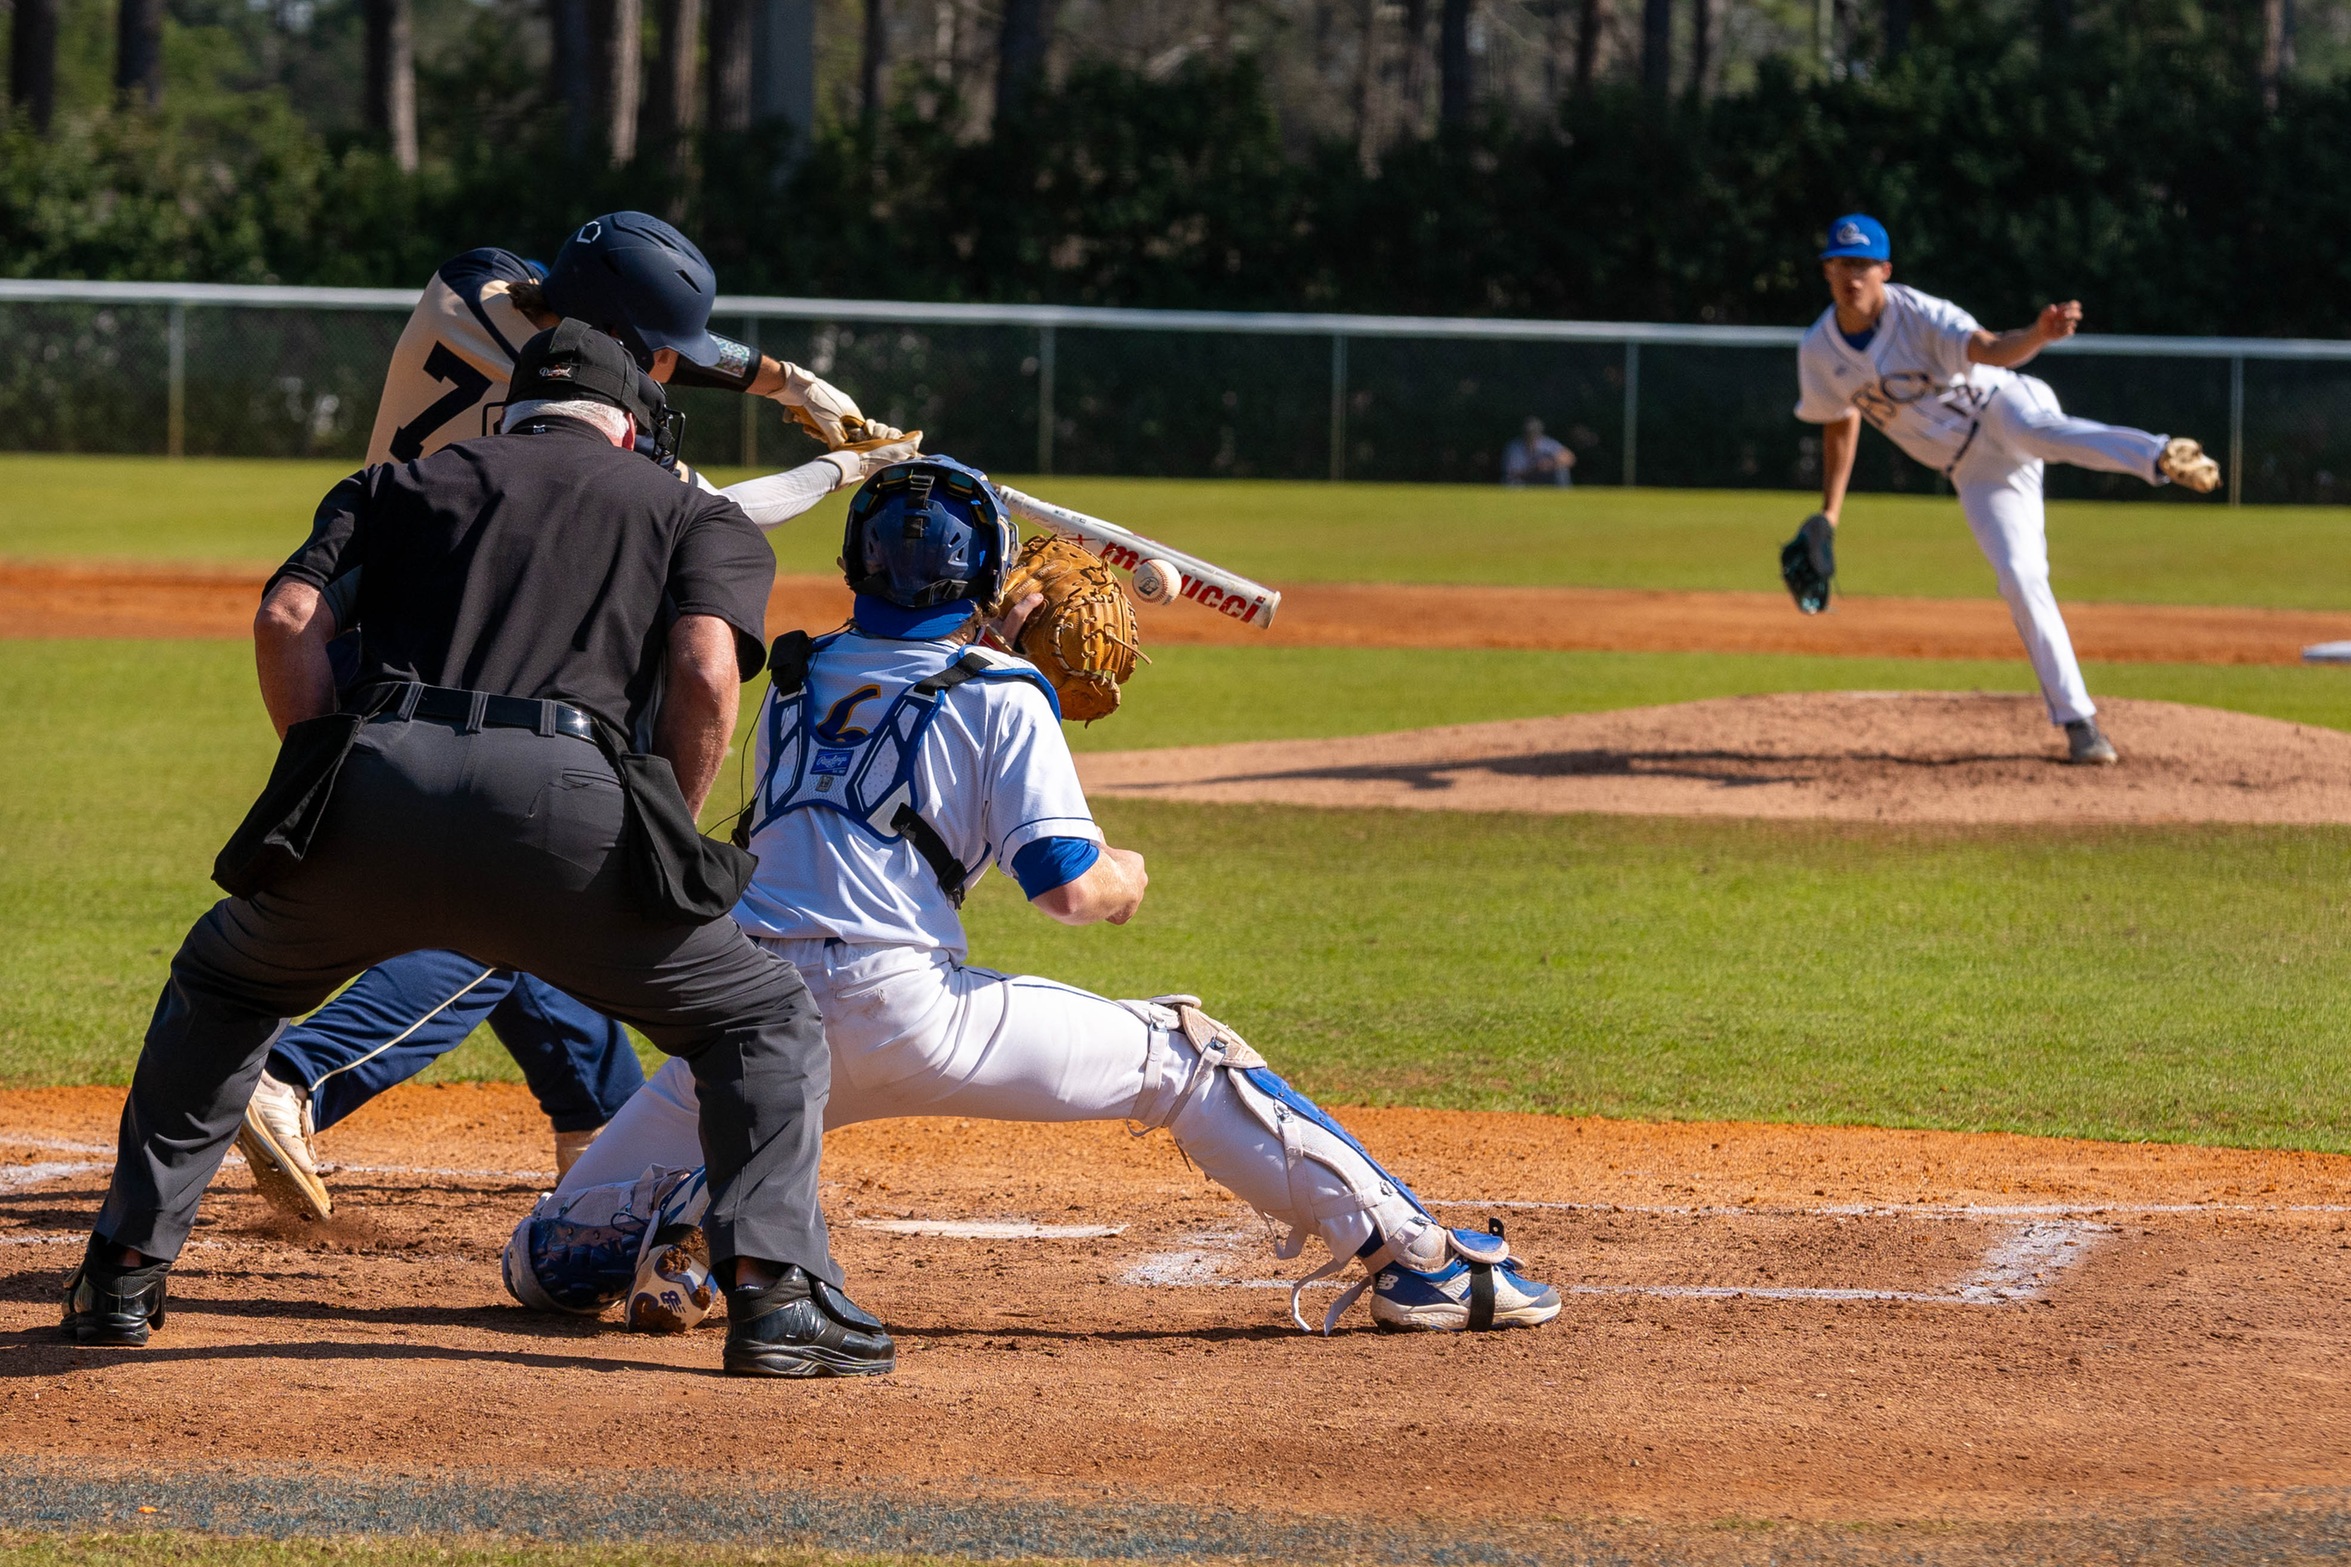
column 400, row 1017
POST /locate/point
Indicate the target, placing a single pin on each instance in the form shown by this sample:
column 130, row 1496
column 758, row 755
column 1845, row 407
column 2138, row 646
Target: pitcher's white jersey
column 1913, row 381
column 454, row 357
column 991, row 774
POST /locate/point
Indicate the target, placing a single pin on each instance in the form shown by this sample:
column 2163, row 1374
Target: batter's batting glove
column 830, row 414
column 1808, row 563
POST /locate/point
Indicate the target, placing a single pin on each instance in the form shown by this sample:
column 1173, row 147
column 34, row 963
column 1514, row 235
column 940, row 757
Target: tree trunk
column 873, row 64
column 1020, row 53
column 1367, row 83
column 32, row 61
column 1657, row 46
column 2277, row 48
column 1415, row 87
column 624, row 77
column 1897, row 29
column 1453, row 82
column 573, row 67
column 391, row 78
column 138, row 50
column 1590, row 15
column 673, row 95
column 730, row 65
column 1701, row 44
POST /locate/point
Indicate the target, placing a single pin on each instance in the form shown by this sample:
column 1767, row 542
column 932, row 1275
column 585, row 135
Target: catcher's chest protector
column 868, row 774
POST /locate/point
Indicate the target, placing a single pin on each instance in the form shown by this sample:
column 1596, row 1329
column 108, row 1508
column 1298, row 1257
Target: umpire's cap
column 572, row 360
column 634, row 276
column 926, row 533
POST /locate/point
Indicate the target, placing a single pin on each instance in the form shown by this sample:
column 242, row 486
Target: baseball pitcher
column 1947, row 393
column 640, row 281
column 898, row 759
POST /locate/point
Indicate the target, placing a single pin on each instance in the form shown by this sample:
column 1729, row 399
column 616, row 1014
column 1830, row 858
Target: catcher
column 897, row 758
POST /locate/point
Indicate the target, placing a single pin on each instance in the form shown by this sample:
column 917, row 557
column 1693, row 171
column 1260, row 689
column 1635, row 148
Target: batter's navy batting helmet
column 925, row 533
column 633, row 276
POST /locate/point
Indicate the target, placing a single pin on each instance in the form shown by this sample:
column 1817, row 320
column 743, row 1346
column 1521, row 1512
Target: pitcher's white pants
column 1999, row 483
column 913, row 1032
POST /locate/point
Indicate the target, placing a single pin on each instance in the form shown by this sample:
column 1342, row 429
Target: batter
column 896, row 761
column 1947, row 393
column 644, row 283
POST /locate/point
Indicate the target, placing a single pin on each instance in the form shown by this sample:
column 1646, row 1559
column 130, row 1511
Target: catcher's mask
column 926, row 533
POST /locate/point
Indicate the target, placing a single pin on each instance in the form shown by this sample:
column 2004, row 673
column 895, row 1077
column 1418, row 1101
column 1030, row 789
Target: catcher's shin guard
column 1278, row 1151
column 578, row 1253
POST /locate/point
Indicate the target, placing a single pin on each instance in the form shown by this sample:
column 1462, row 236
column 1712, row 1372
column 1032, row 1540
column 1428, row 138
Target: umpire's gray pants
column 500, row 844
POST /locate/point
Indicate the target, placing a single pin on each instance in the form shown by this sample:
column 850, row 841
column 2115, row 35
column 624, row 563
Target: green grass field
column 2283, row 557
column 2133, row 983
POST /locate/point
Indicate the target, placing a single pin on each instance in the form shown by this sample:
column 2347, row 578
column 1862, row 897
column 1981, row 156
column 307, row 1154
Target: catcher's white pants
column 913, row 1032
column 1999, row 483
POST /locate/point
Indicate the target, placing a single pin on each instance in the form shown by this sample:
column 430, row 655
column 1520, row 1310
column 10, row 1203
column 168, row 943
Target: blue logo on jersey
column 831, row 764
column 835, row 729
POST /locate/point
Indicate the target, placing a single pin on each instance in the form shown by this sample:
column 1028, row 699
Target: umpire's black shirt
column 545, row 562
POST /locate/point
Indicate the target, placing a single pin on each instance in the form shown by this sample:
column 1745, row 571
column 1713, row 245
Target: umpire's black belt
column 472, row 710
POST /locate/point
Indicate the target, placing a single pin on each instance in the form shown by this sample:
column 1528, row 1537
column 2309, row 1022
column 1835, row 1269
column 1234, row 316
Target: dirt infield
column 102, row 600
column 1894, row 756
column 1871, row 1328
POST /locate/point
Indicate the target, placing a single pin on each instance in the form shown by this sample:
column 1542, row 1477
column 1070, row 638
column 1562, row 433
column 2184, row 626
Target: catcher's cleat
column 568, row 1148
column 673, row 1289
column 2184, row 463
column 800, row 1326
column 1477, row 1289
column 2086, row 746
column 275, row 1141
column 109, row 1304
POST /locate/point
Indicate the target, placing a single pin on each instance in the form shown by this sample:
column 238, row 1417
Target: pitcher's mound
column 1898, row 756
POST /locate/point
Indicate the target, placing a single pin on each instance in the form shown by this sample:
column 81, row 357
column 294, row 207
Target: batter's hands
column 2059, row 322
column 828, row 413
column 860, row 463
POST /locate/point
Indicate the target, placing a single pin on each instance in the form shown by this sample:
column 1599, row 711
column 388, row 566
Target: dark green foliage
column 2138, row 169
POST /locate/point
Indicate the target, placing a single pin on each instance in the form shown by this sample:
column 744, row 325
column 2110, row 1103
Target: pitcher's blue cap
column 1858, row 234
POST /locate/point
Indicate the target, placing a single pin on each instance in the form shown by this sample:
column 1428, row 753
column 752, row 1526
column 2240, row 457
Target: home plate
column 992, row 1229
column 2327, row 653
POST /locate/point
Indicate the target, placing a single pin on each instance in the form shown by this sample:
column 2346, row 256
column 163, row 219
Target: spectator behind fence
column 1535, row 458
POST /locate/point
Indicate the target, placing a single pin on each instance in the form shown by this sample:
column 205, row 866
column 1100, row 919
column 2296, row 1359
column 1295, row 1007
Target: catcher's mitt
column 1083, row 636
column 1808, row 563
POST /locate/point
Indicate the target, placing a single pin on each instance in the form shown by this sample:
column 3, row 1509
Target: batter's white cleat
column 2087, row 746
column 2185, row 464
column 568, row 1148
column 275, row 1141
column 1476, row 1288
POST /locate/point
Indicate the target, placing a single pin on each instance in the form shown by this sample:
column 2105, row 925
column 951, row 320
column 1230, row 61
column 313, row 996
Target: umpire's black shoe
column 800, row 1326
column 109, row 1304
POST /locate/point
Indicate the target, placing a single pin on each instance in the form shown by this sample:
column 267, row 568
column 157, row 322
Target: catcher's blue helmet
column 925, row 533
column 632, row 276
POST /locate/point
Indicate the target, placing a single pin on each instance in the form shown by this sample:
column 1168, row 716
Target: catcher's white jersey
column 454, row 356
column 1913, row 381
column 992, row 773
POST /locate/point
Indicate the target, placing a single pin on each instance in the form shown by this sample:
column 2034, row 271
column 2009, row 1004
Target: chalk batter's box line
column 1899, row 1210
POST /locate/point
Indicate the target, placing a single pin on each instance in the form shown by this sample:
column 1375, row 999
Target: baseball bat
column 1204, row 583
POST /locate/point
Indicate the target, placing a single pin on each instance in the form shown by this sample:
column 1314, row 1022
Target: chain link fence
column 213, row 370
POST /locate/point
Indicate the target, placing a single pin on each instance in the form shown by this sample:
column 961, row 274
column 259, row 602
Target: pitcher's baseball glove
column 1083, row 636
column 1808, row 563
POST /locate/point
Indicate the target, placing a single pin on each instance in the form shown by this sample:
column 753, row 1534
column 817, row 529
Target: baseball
column 1156, row 581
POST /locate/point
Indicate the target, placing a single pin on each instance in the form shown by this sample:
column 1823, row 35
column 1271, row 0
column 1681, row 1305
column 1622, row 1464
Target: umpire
column 530, row 600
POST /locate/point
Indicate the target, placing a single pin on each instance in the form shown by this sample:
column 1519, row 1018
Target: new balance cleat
column 1476, row 1289
column 673, row 1289
column 2086, row 745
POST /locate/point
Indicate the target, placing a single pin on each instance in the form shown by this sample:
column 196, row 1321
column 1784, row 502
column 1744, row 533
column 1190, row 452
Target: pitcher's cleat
column 2087, row 746
column 2184, row 463
column 275, row 1141
column 1475, row 1289
column 109, row 1304
column 800, row 1326
column 673, row 1289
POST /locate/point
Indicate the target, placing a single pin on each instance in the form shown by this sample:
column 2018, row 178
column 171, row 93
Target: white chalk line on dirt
column 990, row 1229
column 1898, row 1210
